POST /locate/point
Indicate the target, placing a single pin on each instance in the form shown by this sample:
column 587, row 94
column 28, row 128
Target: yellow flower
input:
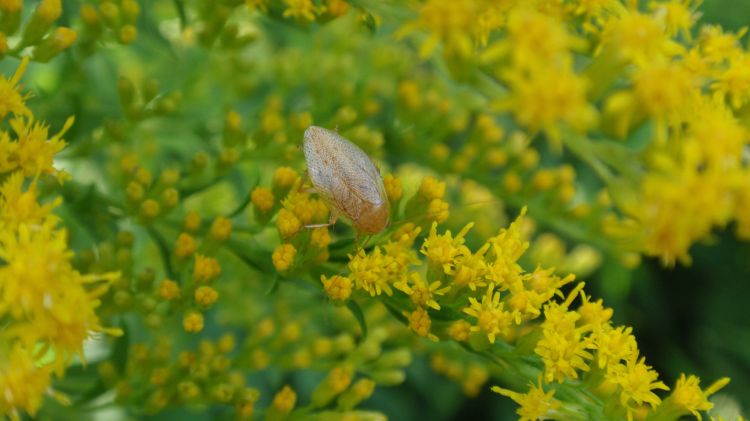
column 221, row 229
column 491, row 317
column 687, row 395
column 460, row 330
column 150, row 208
column 338, row 288
column 23, row 381
column 563, row 345
column 169, row 290
column 320, row 237
column 443, row 250
column 637, row 382
column 431, row 188
column 460, row 25
column 262, row 198
column 193, row 322
column 19, row 207
column 339, row 378
column 284, row 177
column 509, row 245
column 287, row 223
column 470, row 268
column 192, row 221
column 303, row 10
column 307, row 210
column 536, row 404
column 205, row 268
column 373, row 272
column 49, row 10
column 283, row 257
column 663, row 91
column 184, row 246
column 549, row 99
column 392, row 188
column 419, row 323
column 420, row 293
column 614, row 345
column 593, row 313
column 535, row 39
column 48, row 302
column 638, row 37
column 733, row 83
column 33, row 150
column 679, row 16
column 284, row 400
column 437, row 210
column 206, row 296
column 11, row 100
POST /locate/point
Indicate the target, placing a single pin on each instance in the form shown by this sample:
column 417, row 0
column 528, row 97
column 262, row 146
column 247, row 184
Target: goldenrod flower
column 431, row 188
column 372, row 272
column 11, row 99
column 687, row 396
column 470, row 268
column 637, row 382
column 205, row 268
column 23, row 381
column 443, row 250
column 320, row 238
column 206, row 296
column 184, row 246
column 491, row 317
column 193, row 322
column 262, row 199
column 19, row 206
column 169, row 290
column 419, row 323
column 285, row 399
column 536, row 404
column 437, row 210
column 283, row 257
column 563, row 348
column 150, row 208
column 421, row 293
column 593, row 313
column 192, row 222
column 287, row 223
column 392, row 188
column 303, row 10
column 284, row 177
column 460, row 330
column 221, row 229
column 338, row 288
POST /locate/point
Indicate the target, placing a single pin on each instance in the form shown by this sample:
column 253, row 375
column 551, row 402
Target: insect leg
column 331, row 220
column 303, row 181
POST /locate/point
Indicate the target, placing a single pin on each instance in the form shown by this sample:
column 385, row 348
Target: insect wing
column 338, row 168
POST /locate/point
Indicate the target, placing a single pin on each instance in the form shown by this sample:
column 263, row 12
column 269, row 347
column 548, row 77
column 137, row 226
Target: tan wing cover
column 341, row 171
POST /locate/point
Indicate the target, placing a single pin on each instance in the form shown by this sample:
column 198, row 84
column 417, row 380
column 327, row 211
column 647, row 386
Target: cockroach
column 347, row 179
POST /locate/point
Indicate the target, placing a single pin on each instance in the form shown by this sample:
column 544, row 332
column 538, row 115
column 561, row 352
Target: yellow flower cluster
column 485, row 298
column 586, row 74
column 47, row 306
column 114, row 18
column 195, row 376
column 37, row 32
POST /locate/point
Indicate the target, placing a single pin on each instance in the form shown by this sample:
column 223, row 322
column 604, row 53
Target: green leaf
column 359, row 315
column 120, row 349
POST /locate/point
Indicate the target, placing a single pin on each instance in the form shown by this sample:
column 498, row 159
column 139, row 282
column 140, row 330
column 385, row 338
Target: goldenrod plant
column 165, row 254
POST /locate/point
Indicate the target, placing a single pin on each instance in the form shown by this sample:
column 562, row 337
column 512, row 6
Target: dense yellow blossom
column 48, row 306
column 535, row 404
column 622, row 124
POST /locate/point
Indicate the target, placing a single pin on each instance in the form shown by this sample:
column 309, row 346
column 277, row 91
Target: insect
column 346, row 178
